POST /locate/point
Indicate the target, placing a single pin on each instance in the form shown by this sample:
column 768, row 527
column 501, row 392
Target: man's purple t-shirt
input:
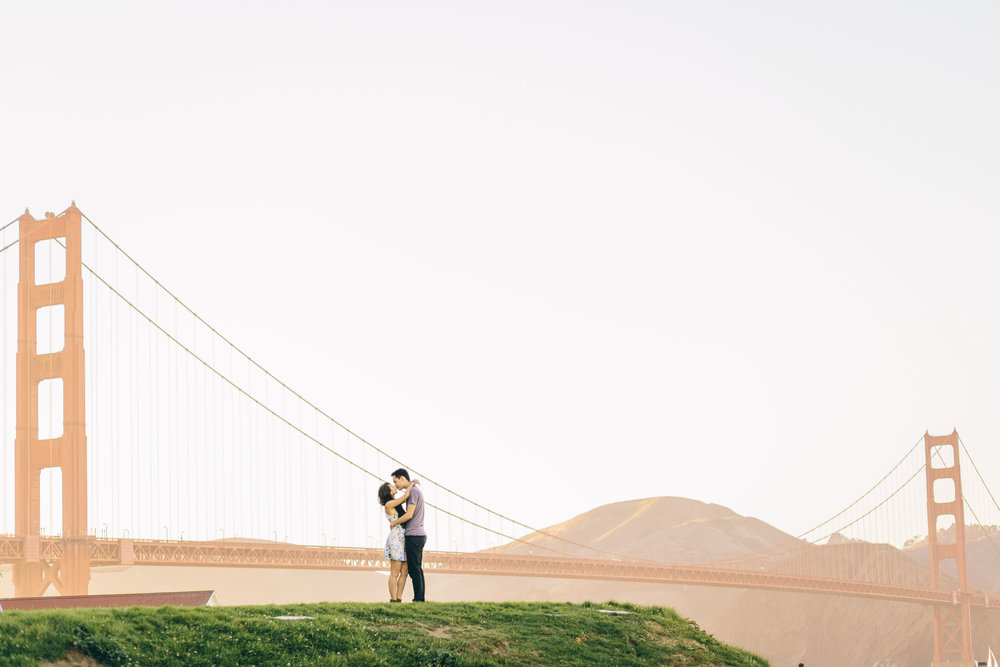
column 415, row 526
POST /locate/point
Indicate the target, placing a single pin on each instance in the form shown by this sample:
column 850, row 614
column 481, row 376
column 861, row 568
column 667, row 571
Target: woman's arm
column 396, row 501
column 403, row 519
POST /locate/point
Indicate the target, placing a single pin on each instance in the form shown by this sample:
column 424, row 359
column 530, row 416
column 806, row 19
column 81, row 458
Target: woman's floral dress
column 394, row 548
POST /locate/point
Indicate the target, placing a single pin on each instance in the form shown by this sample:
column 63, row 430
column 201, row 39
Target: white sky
column 557, row 254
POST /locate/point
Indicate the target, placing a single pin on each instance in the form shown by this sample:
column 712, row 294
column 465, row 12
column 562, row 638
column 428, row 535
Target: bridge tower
column 68, row 568
column 952, row 623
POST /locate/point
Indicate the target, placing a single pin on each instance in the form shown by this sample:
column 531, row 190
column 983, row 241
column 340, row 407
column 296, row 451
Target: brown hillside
column 675, row 530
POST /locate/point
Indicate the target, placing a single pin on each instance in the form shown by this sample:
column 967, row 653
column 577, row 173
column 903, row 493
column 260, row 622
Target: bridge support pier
column 952, row 623
column 68, row 569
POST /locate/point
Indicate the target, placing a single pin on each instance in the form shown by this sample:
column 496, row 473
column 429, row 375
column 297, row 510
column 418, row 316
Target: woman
column 394, row 545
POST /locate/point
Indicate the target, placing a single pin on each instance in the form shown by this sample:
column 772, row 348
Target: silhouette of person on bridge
column 415, row 537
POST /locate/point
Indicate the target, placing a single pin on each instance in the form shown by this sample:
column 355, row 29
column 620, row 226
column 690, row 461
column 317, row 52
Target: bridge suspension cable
column 12, row 243
column 983, row 563
column 864, row 495
column 823, row 531
column 191, row 438
column 155, row 321
column 979, row 475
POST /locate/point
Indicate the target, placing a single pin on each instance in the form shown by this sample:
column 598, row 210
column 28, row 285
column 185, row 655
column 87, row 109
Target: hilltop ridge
column 669, row 528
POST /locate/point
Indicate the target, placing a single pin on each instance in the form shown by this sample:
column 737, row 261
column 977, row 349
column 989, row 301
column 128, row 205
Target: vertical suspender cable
column 215, row 482
column 300, row 452
column 246, row 512
column 192, row 462
column 135, row 379
column 261, row 527
column 237, row 416
column 286, row 466
column 902, row 533
column 244, row 456
column 350, row 494
column 238, row 457
column 93, row 401
column 147, row 446
column 173, row 516
column 114, row 435
column 232, row 449
column 873, row 548
column 204, row 447
column 327, row 488
column 269, row 486
column 246, row 468
column 154, row 446
column 262, row 506
column 318, row 487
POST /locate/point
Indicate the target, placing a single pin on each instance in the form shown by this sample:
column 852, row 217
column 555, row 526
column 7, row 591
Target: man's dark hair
column 402, row 473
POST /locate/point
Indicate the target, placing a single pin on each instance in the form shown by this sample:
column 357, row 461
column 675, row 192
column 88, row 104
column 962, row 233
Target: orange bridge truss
column 277, row 555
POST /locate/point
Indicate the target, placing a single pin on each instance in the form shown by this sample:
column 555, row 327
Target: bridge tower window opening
column 947, row 567
column 942, row 457
column 944, row 491
column 946, row 529
column 50, row 261
column 50, row 499
column 50, row 409
column 50, row 329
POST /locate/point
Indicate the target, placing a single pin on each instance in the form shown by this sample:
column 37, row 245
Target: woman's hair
column 384, row 493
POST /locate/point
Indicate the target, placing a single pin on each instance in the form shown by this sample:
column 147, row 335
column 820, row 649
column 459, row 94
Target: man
column 416, row 536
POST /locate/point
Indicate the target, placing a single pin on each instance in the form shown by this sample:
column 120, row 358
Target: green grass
column 366, row 635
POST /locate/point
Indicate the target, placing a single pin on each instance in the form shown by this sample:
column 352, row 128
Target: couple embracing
column 405, row 545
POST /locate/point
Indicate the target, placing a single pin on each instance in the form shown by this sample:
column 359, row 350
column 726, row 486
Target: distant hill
column 786, row 628
column 675, row 530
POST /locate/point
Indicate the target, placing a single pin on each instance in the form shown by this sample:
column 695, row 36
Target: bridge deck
column 279, row 555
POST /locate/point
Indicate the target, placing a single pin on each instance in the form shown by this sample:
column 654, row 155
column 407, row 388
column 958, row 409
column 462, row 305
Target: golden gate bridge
column 135, row 433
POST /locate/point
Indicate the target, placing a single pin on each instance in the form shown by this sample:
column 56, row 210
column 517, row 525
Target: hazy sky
column 558, row 254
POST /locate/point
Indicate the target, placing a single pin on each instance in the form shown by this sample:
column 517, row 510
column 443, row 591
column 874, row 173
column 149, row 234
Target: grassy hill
column 400, row 635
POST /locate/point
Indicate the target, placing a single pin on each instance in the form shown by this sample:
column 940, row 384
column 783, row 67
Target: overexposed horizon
column 557, row 254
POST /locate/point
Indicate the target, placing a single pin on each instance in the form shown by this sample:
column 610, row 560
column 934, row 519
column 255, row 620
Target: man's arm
column 415, row 498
